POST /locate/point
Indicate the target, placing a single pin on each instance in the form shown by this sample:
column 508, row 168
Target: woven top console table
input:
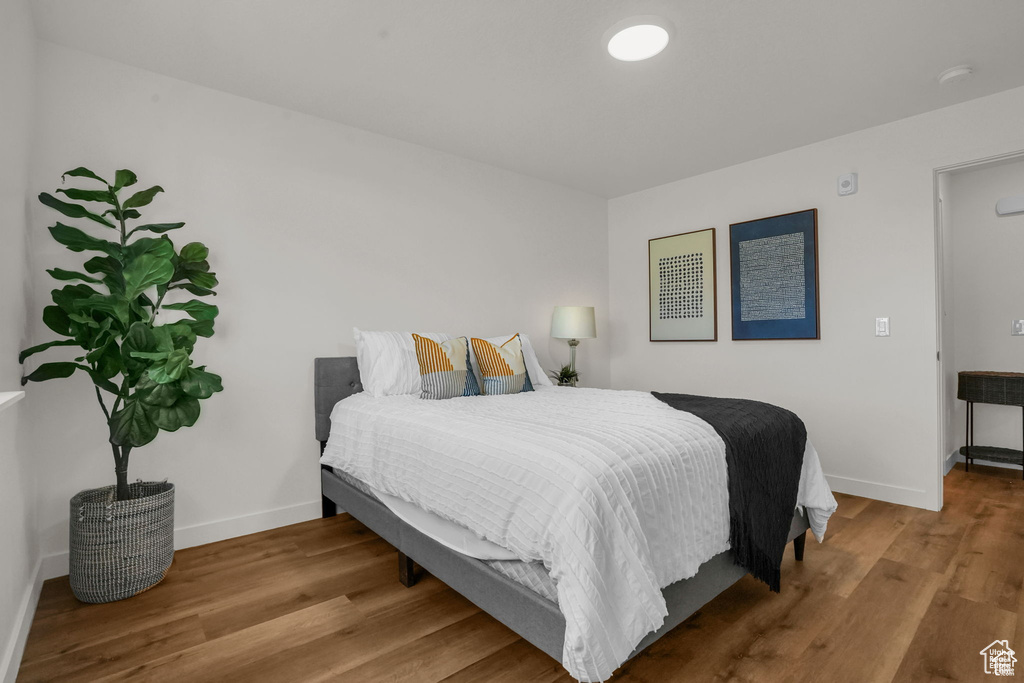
column 999, row 388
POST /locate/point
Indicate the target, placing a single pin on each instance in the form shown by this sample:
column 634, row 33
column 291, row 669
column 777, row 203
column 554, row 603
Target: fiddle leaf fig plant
column 114, row 313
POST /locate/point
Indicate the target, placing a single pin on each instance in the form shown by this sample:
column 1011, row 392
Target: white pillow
column 387, row 361
column 537, row 374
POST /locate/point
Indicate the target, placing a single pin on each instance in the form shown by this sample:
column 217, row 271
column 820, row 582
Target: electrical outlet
column 881, row 327
column 1017, row 328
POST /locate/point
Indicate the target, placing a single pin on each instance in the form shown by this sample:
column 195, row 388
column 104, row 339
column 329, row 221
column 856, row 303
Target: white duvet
column 618, row 494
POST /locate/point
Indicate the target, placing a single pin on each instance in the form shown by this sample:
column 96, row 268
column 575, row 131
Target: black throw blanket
column 764, row 452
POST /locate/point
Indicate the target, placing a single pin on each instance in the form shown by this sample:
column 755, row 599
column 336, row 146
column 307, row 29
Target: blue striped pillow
column 444, row 368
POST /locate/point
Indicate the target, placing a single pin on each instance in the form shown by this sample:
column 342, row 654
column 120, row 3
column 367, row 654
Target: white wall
column 20, row 552
column 988, row 287
column 314, row 228
column 870, row 404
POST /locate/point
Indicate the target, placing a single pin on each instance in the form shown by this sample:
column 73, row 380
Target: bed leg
column 405, row 570
column 798, row 546
column 329, row 507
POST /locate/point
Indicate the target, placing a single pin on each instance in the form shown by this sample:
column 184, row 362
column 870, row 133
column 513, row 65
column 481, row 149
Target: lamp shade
column 573, row 322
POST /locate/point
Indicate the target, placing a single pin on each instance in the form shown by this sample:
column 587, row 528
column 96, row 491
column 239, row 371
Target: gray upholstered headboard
column 333, row 380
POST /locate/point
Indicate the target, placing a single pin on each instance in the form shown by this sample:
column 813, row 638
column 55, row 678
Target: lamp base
column 573, row 343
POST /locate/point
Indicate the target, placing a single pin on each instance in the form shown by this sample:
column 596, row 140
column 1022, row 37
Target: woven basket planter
column 120, row 548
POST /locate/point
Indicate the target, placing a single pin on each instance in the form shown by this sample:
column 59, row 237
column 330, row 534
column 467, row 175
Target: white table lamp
column 573, row 323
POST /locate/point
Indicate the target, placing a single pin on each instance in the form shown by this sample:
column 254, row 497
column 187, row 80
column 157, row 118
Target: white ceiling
column 527, row 85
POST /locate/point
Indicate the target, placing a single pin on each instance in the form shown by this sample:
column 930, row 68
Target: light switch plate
column 1017, row 328
column 881, row 327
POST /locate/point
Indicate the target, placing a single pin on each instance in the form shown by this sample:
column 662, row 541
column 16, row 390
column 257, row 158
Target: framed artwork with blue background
column 774, row 273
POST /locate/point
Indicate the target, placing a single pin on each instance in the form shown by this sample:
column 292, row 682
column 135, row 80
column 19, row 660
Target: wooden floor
column 894, row 594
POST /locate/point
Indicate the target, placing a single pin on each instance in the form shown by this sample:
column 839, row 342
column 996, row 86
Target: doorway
column 979, row 292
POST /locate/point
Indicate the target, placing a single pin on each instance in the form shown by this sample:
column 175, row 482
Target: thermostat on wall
column 847, row 184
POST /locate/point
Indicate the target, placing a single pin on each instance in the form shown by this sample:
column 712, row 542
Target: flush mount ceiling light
column 955, row 74
column 637, row 38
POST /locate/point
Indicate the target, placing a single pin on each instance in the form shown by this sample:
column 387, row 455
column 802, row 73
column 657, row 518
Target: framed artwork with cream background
column 683, row 295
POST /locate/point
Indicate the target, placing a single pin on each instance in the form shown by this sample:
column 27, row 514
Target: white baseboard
column 901, row 495
column 951, row 460
column 211, row 532
column 15, row 648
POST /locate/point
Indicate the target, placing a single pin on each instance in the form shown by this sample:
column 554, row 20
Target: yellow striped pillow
column 503, row 368
column 444, row 368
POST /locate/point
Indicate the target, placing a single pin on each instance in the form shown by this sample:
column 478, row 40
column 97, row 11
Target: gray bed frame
column 533, row 617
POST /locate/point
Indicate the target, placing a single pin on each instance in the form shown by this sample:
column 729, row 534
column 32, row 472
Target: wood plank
column 127, row 651
column 990, row 565
column 850, row 506
column 964, row 627
column 927, row 543
column 464, row 643
column 326, row 658
column 868, row 639
column 214, row 660
column 514, row 663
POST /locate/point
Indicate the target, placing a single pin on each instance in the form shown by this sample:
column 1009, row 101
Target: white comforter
column 618, row 494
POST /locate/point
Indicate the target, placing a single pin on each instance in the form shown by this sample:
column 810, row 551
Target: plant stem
column 99, row 397
column 121, row 471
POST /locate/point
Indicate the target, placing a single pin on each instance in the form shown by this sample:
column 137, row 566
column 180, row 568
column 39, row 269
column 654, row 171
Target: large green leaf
column 83, row 319
column 51, row 371
column 57, row 320
column 157, row 227
column 155, row 394
column 105, row 303
column 104, row 196
column 61, row 274
column 142, row 197
column 110, row 268
column 138, row 339
column 104, row 265
column 42, row 347
column 83, row 172
column 72, row 210
column 67, row 297
column 198, row 291
column 198, row 383
column 107, row 356
column 194, row 252
column 157, row 246
column 195, row 308
column 201, row 328
column 150, row 355
column 103, row 383
column 124, row 178
column 131, row 426
column 177, row 335
column 144, row 272
column 203, row 280
column 77, row 240
column 183, row 413
column 171, row 369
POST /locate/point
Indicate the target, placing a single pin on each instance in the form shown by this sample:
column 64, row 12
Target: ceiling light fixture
column 955, row 74
column 637, row 38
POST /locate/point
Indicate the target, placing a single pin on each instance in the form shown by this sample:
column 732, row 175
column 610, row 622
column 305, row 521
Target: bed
column 517, row 603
